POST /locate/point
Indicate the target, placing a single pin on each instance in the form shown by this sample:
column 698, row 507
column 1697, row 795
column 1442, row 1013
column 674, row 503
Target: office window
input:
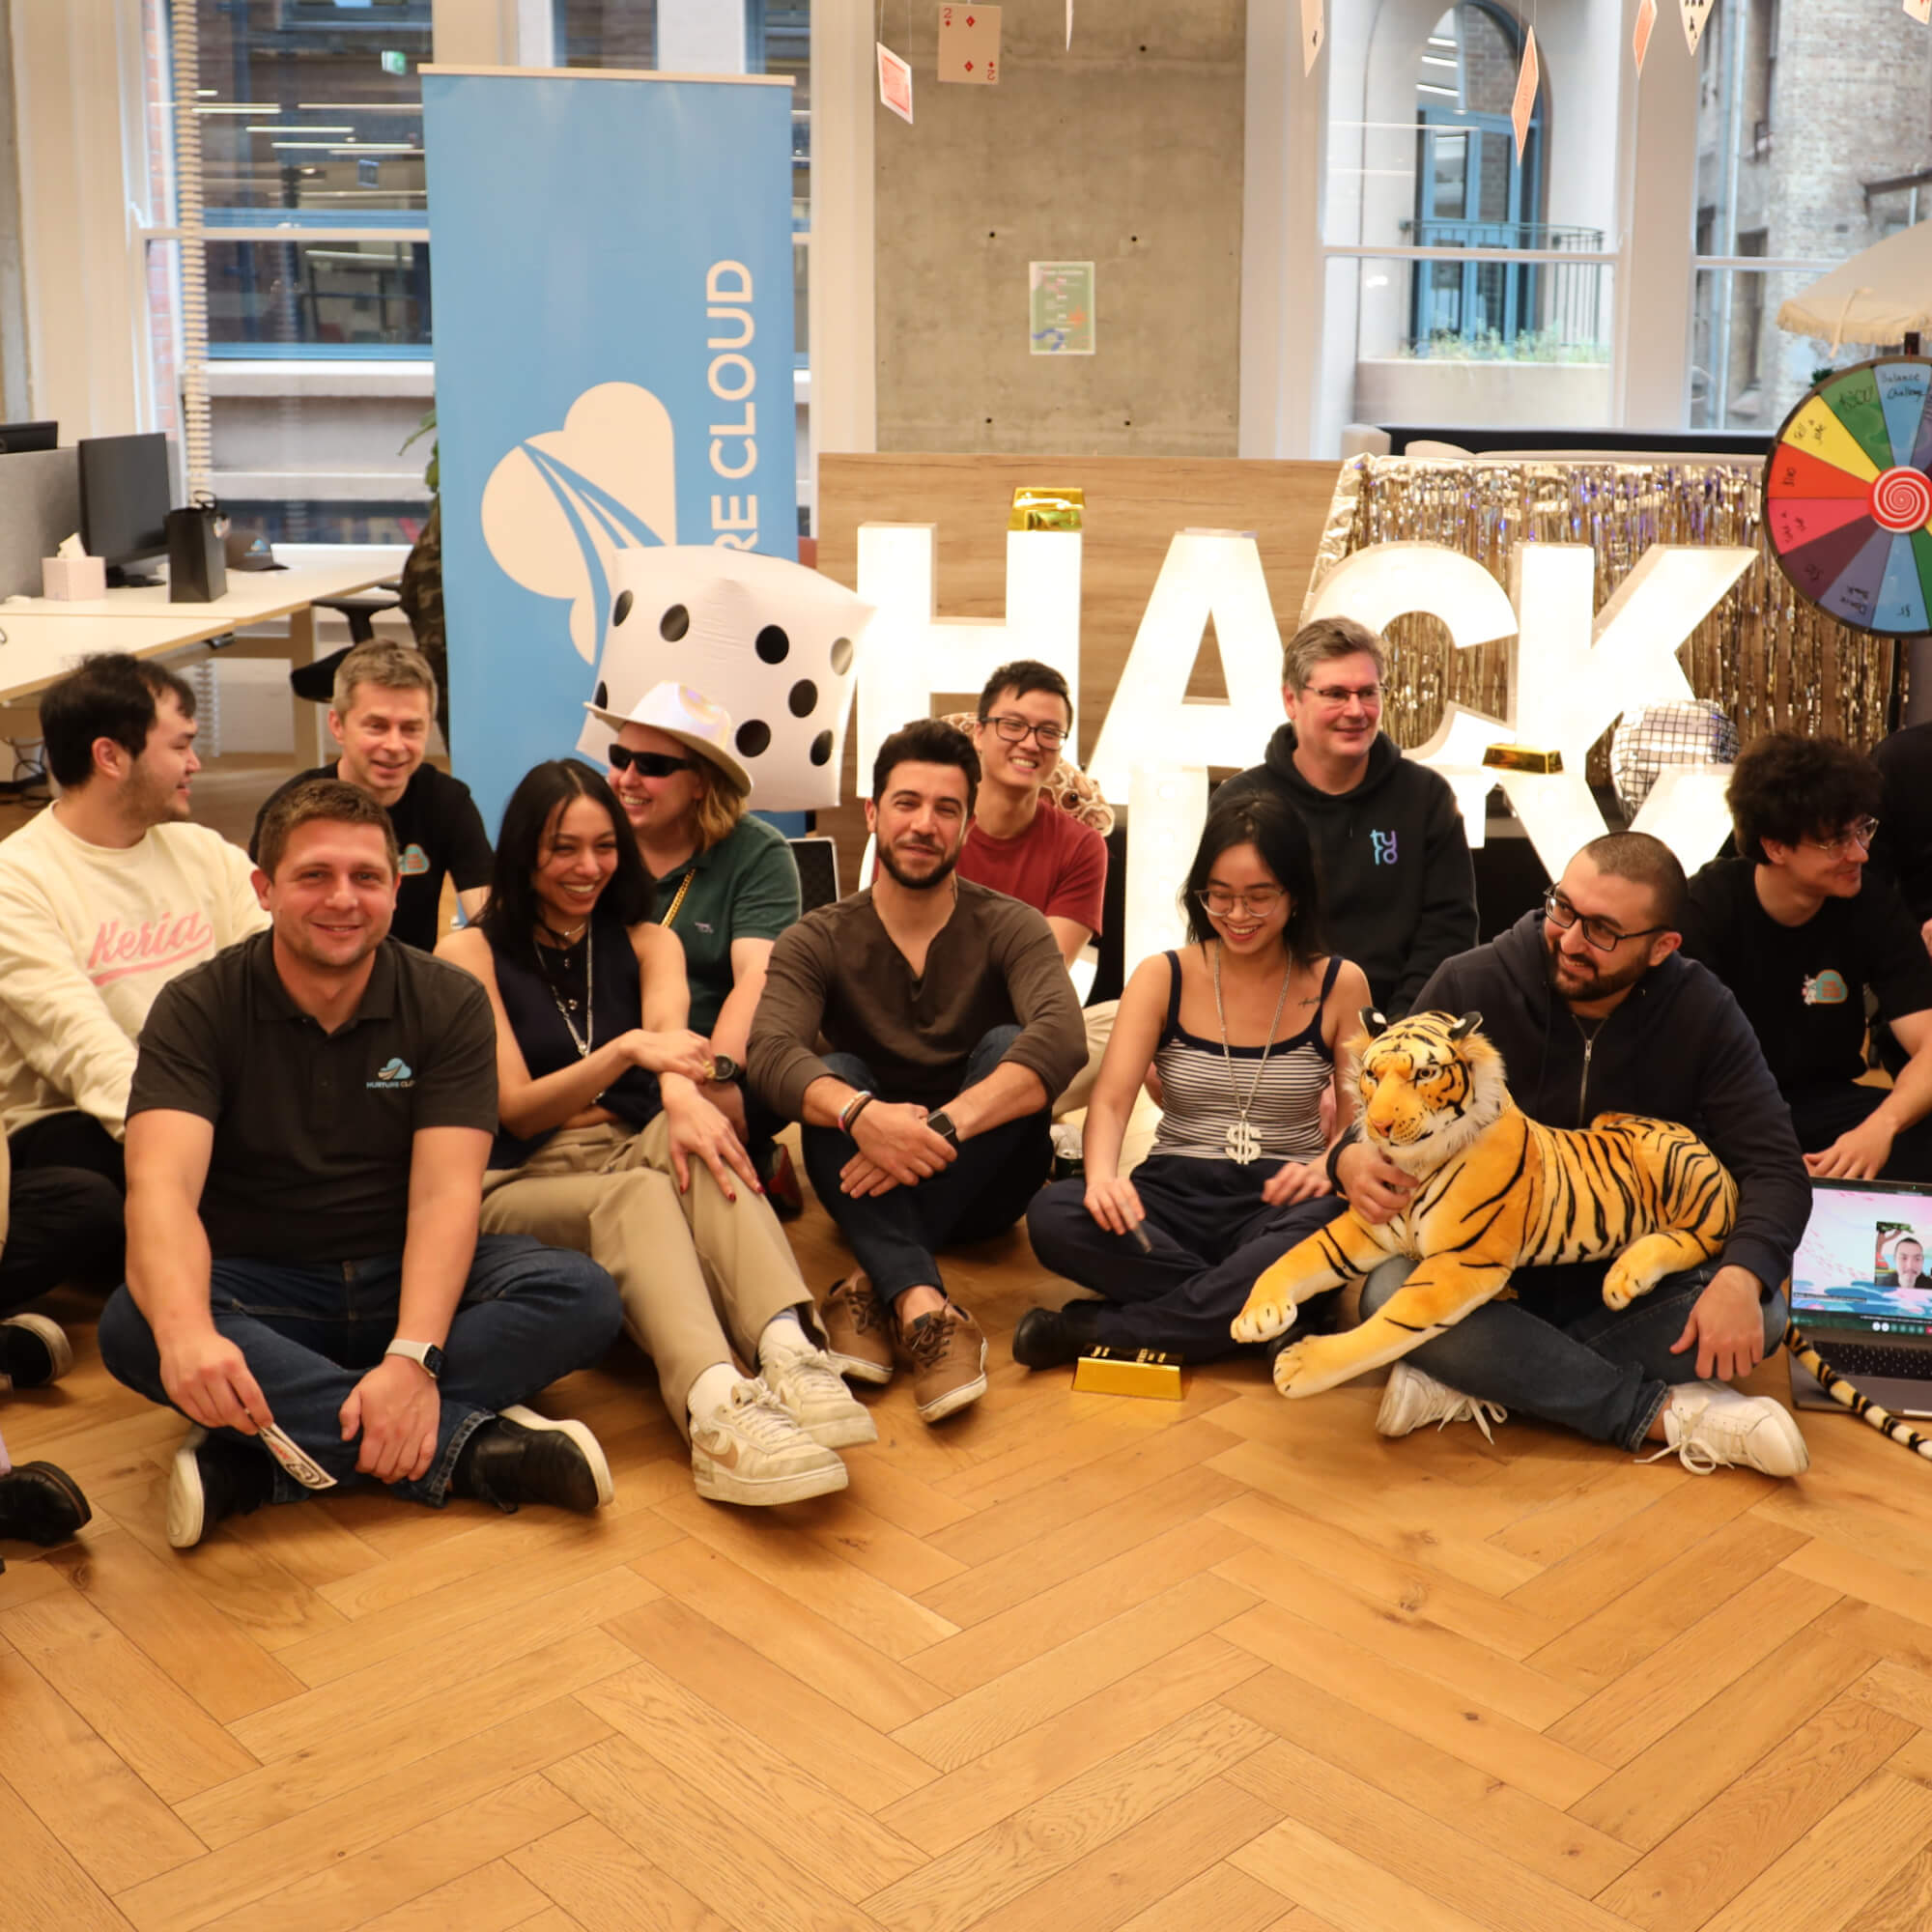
column 1790, row 183
column 1468, row 281
column 307, row 117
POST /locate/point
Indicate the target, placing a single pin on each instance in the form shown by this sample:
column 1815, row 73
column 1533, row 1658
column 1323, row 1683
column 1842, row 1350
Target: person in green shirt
column 727, row 885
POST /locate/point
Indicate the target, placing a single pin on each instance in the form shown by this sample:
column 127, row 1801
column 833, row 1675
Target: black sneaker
column 521, row 1457
column 215, row 1476
column 33, row 1352
column 40, row 1503
column 1050, row 1338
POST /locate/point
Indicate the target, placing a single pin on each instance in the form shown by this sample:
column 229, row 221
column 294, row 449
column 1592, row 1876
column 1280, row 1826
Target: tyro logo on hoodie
column 1383, row 843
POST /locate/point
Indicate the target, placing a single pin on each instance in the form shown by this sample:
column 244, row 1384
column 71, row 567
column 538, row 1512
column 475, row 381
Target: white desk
column 44, row 637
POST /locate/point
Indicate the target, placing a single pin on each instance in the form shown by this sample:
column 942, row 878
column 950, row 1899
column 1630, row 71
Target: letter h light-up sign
column 1573, row 672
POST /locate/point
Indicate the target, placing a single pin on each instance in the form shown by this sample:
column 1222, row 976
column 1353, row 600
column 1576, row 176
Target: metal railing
column 1559, row 304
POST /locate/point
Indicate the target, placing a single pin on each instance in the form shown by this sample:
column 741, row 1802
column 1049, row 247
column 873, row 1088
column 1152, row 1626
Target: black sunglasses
column 648, row 764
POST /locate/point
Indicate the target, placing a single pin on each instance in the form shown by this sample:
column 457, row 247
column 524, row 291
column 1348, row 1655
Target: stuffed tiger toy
column 1499, row 1192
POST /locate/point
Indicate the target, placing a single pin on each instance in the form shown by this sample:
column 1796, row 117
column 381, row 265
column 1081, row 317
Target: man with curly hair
column 1809, row 943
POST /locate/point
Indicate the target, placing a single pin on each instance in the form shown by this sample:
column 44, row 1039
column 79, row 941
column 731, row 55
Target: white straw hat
column 688, row 717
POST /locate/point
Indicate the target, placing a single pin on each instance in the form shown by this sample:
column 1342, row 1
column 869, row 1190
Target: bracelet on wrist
column 849, row 1113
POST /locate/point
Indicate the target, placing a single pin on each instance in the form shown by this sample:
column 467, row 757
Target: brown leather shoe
column 948, row 1354
column 857, row 1333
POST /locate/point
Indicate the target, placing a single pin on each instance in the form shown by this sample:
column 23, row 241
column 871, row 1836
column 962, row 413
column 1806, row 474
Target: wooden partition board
column 1134, row 507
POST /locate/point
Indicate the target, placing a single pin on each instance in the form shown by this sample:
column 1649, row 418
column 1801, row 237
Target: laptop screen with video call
column 1856, row 1270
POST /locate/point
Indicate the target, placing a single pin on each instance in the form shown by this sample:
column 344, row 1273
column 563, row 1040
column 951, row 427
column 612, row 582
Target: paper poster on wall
column 969, row 45
column 895, row 82
column 1695, row 14
column 1060, row 308
column 1523, row 106
column 629, row 387
column 1646, row 22
column 1310, row 34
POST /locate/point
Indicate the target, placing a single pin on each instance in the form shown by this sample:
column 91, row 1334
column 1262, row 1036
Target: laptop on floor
column 1861, row 1293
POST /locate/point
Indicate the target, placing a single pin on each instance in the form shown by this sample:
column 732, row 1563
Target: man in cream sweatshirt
column 105, row 898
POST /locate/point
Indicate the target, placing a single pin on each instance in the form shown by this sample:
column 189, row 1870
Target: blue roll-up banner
column 611, row 260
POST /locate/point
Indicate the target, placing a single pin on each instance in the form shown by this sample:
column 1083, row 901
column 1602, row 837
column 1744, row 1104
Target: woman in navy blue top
column 1241, row 1026
column 609, row 1145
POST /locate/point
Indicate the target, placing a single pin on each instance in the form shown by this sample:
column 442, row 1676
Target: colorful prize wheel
column 1848, row 495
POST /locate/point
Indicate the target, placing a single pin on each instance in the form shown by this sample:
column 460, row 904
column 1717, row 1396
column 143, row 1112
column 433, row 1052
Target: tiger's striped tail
column 1848, row 1397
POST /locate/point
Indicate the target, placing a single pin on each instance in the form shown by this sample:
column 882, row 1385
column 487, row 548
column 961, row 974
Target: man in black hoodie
column 1594, row 1010
column 1398, row 890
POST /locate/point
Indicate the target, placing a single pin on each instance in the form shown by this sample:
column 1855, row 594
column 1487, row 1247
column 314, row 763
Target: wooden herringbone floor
column 1071, row 1663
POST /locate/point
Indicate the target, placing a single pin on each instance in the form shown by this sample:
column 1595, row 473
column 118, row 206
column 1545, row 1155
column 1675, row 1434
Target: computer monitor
column 126, row 494
column 16, row 437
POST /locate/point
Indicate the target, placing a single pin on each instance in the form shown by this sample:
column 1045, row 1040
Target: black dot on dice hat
column 842, row 656
column 773, row 645
column 675, row 623
column 754, row 736
column 622, row 608
column 603, row 698
column 821, row 749
column 803, row 699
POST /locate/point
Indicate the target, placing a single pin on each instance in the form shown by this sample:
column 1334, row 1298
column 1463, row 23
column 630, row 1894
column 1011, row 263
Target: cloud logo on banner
column 773, row 643
column 563, row 506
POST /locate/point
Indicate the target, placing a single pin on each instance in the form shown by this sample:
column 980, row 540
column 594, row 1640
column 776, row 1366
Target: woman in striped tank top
column 1241, row 1026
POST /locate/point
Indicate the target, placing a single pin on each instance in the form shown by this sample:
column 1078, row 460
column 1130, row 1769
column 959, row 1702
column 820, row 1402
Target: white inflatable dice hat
column 770, row 643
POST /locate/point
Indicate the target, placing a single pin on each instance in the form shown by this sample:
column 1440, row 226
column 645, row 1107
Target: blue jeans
column 1596, row 1370
column 311, row 1331
column 892, row 1236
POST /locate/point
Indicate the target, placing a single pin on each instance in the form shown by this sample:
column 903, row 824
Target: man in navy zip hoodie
column 1594, row 1010
column 1398, row 890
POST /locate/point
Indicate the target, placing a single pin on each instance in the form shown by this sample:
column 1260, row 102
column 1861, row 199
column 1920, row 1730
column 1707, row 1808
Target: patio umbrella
column 1879, row 296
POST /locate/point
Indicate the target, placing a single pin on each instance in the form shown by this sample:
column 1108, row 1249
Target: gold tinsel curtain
column 1772, row 661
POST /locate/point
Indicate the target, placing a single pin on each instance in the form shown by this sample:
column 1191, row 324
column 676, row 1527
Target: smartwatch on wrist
column 941, row 1124
column 726, row 1071
column 426, row 1356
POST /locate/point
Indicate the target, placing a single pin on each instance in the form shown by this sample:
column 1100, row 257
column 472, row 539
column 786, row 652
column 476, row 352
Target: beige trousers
column 1100, row 1022
column 699, row 1275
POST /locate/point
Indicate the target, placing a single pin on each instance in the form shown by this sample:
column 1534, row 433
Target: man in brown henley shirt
column 953, row 1024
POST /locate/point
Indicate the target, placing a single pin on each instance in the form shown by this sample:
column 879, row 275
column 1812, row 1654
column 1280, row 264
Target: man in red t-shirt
column 1026, row 846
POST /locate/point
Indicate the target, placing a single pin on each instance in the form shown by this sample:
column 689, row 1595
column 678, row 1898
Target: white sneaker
column 749, row 1450
column 1413, row 1398
column 817, row 1399
column 1713, row 1427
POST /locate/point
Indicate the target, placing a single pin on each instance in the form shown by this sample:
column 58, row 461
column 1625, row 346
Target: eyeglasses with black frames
column 1017, row 731
column 1598, row 932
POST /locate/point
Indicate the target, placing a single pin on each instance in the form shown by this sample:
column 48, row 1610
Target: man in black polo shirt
column 385, row 699
column 306, row 1135
column 1799, row 934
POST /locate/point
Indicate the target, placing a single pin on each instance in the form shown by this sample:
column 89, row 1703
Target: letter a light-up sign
column 1155, row 748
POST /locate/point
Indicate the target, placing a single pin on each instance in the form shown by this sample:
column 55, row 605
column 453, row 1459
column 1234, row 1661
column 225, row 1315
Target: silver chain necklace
column 1242, row 1142
column 580, row 1041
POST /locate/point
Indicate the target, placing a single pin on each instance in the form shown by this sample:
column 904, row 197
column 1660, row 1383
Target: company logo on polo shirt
column 416, row 861
column 1826, row 989
column 393, row 1077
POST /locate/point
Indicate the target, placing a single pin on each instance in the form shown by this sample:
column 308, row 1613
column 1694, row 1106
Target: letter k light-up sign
column 1573, row 672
